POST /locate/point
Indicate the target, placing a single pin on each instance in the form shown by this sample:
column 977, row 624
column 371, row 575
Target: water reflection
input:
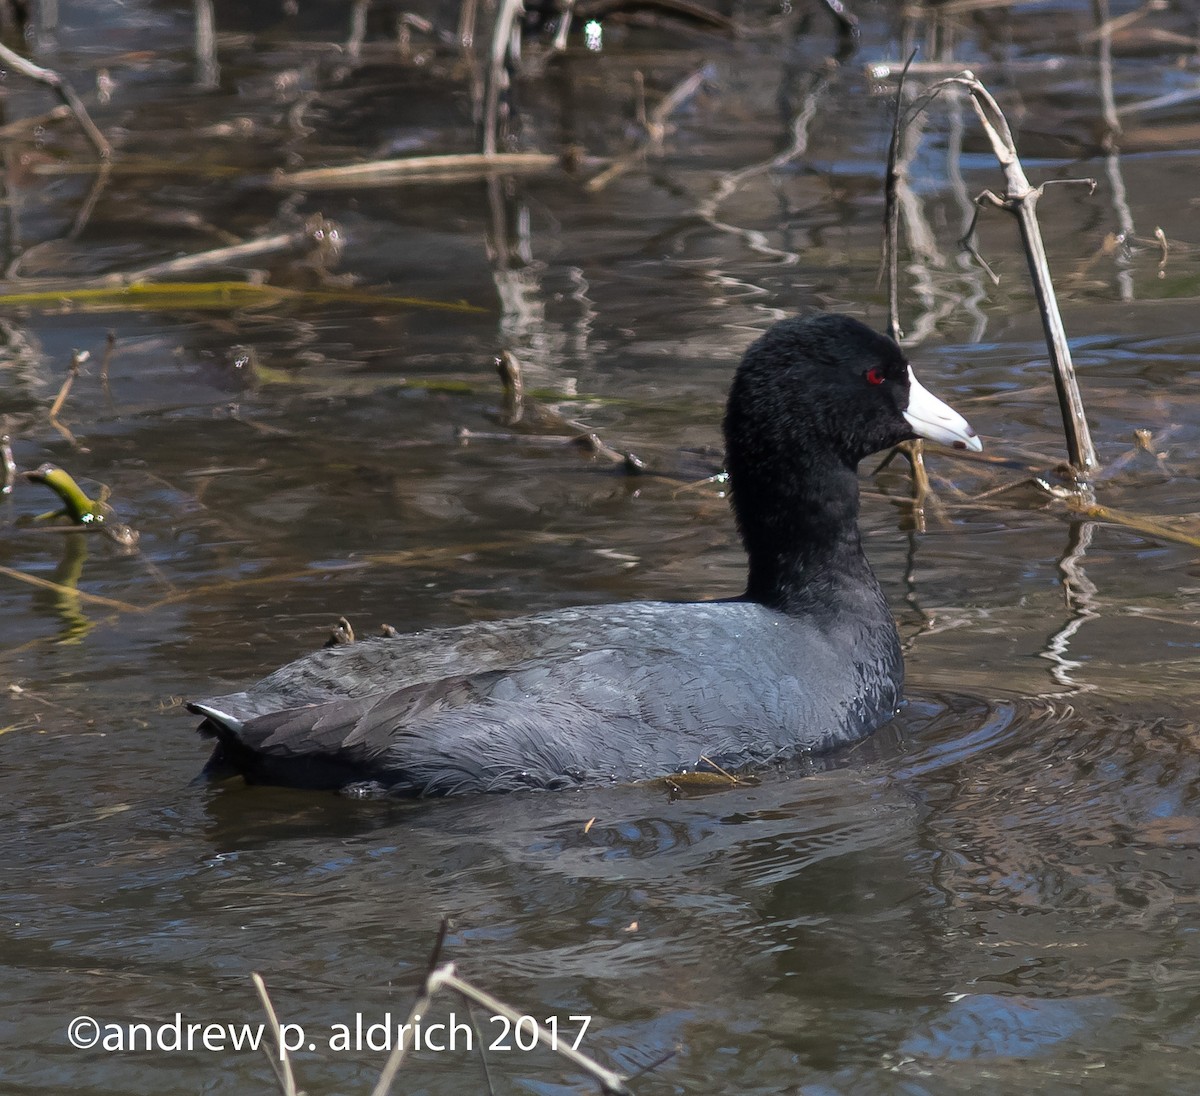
column 997, row 891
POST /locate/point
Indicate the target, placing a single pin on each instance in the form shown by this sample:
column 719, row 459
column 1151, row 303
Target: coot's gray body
column 571, row 698
column 808, row 659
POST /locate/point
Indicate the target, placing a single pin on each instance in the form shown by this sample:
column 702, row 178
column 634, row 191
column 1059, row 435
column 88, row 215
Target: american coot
column 807, row 660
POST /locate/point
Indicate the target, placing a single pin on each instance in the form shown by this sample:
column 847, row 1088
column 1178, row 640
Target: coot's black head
column 811, row 398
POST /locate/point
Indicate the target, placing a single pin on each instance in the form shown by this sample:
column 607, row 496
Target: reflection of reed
column 524, row 327
column 731, row 181
column 1080, row 593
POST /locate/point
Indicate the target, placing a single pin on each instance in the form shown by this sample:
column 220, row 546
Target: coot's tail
column 235, row 753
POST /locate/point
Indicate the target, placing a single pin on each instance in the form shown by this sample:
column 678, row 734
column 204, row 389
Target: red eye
column 875, row 376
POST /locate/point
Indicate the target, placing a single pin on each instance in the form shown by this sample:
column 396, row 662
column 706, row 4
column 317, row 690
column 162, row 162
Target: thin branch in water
column 207, row 260
column 565, row 17
column 65, row 92
column 78, row 357
column 84, row 215
column 441, row 977
column 467, row 15
column 915, row 452
column 208, row 70
column 722, row 772
column 455, row 167
column 391, row 1067
column 58, row 588
column 891, row 212
column 25, row 127
column 110, row 347
column 652, row 1065
column 358, row 29
column 89, row 203
column 967, row 241
column 1171, row 99
column 9, row 464
column 483, row 1059
column 508, row 366
column 610, row 1081
column 505, row 49
column 439, row 945
column 539, row 420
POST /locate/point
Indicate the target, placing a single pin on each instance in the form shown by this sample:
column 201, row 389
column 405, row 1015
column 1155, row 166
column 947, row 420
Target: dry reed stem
column 1020, row 199
column 913, row 450
column 281, row 1064
column 444, row 977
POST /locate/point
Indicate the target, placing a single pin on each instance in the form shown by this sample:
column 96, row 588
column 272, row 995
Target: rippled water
column 997, row 892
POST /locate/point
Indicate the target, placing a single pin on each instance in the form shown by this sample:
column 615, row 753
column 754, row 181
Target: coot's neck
column 803, row 542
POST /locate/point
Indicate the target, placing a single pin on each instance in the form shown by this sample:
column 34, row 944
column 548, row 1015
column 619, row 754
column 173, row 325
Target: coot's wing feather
column 327, row 743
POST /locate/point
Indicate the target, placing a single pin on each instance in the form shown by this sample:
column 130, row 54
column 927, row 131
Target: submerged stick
column 463, row 167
